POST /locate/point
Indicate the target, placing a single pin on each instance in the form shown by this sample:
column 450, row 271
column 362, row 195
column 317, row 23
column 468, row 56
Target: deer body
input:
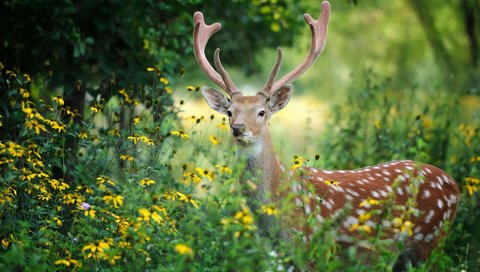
column 435, row 194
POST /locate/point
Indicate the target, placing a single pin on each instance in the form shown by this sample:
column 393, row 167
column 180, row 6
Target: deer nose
column 238, row 129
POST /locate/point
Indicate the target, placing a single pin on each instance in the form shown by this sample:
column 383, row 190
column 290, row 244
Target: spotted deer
column 434, row 192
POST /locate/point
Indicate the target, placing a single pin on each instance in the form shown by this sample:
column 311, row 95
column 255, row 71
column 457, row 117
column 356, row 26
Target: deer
column 434, row 192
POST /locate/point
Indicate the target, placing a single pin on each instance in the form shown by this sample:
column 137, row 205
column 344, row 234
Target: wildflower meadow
column 133, row 181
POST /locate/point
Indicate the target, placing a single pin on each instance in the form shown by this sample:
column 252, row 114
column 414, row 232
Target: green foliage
column 376, row 124
column 133, row 203
column 130, row 186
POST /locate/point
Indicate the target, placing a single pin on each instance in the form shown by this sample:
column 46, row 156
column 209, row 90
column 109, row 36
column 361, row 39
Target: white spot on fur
column 327, row 205
column 350, row 221
column 399, row 191
column 440, row 203
column 298, row 202
column 352, row 192
column 440, row 180
column 418, row 237
column 426, row 194
column 308, row 210
column 429, row 216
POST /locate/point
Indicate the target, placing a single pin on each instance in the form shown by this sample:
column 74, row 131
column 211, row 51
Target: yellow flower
column 67, row 262
column 369, row 201
column 377, row 124
column 157, row 218
column 205, row 173
column 90, row 212
column 116, row 200
column 168, row 89
column 189, row 177
column 146, row 140
column 82, row 135
column 114, row 132
column 24, row 93
column 134, row 138
column 361, row 223
column 45, row 196
column 58, row 221
column 96, row 108
column 475, row 159
column 224, row 169
column 56, row 125
column 213, row 140
column 170, row 195
column 407, row 227
column 58, row 184
column 150, row 69
column 144, row 214
column 164, row 80
column 330, row 182
column 146, row 182
column 102, row 179
column 34, row 125
column 472, row 185
column 183, row 249
column 70, row 112
column 127, row 157
column 297, row 162
column 223, row 126
column 269, row 210
column 59, row 100
column 472, row 189
column 187, row 199
column 27, row 77
column 136, row 120
column 96, row 249
column 244, row 217
column 180, row 133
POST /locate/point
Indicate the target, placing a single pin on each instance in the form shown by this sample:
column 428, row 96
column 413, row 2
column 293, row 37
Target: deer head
column 248, row 115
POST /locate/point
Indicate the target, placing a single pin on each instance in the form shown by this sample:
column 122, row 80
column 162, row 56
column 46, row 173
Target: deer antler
column 201, row 34
column 319, row 37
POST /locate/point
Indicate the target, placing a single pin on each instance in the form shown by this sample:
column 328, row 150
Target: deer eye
column 261, row 114
column 229, row 113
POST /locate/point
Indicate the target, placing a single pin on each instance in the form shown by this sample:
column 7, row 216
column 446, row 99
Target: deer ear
column 215, row 99
column 279, row 99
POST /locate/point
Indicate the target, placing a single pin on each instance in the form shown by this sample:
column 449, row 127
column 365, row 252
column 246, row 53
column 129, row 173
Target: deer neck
column 262, row 168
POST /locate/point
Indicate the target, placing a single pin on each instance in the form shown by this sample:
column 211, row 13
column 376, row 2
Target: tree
column 97, row 47
column 459, row 61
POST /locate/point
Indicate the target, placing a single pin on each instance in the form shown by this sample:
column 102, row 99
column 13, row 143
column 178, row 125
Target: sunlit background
column 412, row 45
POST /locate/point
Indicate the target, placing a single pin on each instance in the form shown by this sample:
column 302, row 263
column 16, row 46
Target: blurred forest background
column 397, row 79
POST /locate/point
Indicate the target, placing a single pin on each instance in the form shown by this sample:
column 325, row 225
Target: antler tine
column 201, row 34
column 231, row 88
column 273, row 74
column 319, row 37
